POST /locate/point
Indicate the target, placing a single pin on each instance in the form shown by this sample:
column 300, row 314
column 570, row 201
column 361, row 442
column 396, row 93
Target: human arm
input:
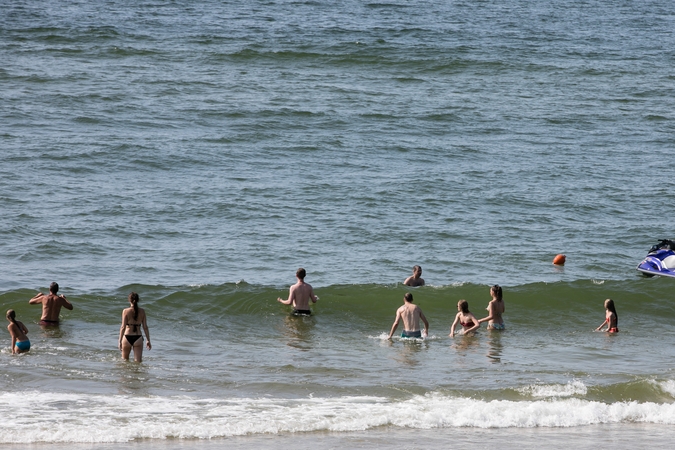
column 454, row 324
column 291, row 297
column 313, row 296
column 476, row 324
column 602, row 324
column 426, row 324
column 37, row 299
column 408, row 281
column 12, row 334
column 490, row 315
column 122, row 328
column 65, row 303
column 147, row 332
column 395, row 325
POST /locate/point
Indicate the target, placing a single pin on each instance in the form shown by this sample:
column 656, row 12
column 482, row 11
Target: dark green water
column 199, row 152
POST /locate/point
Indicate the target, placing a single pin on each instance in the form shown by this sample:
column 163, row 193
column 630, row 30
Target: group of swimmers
column 134, row 321
column 301, row 293
column 411, row 315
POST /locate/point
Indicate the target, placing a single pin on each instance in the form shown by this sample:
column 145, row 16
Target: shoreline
column 622, row 436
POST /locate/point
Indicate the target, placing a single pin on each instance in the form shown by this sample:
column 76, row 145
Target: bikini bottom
column 24, row 346
column 131, row 338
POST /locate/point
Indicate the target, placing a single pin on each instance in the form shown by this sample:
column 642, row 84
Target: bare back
column 18, row 331
column 132, row 326
column 300, row 295
column 410, row 313
column 51, row 306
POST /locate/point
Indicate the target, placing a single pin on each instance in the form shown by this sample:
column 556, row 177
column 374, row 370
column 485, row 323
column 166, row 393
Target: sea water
column 198, row 153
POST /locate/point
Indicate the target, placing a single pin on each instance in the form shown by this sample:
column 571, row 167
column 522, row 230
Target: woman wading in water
column 133, row 318
column 18, row 331
column 495, row 309
column 611, row 317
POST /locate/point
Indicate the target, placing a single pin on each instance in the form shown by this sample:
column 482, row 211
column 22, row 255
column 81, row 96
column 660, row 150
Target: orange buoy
column 559, row 260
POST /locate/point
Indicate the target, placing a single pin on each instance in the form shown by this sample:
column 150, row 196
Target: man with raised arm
column 411, row 315
column 299, row 295
column 51, row 305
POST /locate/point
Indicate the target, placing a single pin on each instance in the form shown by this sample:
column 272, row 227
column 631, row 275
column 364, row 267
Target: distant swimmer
column 411, row 315
column 611, row 318
column 495, row 310
column 416, row 278
column 131, row 337
column 17, row 331
column 51, row 305
column 465, row 318
column 299, row 295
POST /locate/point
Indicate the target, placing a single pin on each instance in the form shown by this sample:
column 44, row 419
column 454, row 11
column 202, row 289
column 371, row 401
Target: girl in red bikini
column 611, row 317
column 465, row 318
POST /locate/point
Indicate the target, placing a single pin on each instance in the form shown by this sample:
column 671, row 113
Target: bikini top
column 467, row 324
column 134, row 325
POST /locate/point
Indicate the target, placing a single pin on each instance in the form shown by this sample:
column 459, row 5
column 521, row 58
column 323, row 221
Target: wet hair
column 610, row 306
column 301, row 273
column 133, row 299
column 497, row 291
column 54, row 287
column 464, row 306
column 416, row 268
column 408, row 297
column 11, row 316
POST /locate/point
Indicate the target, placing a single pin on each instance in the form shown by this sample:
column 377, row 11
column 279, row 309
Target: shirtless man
column 411, row 315
column 299, row 295
column 51, row 305
column 416, row 278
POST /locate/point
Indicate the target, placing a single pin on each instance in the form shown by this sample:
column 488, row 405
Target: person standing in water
column 299, row 295
column 611, row 318
column 133, row 318
column 17, row 331
column 411, row 315
column 495, row 310
column 51, row 305
column 465, row 318
column 416, row 278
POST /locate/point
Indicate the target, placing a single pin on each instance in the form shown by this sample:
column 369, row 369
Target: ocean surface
column 199, row 152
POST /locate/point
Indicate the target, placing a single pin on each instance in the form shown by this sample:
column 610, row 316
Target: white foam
column 397, row 337
column 38, row 417
column 667, row 387
column 555, row 390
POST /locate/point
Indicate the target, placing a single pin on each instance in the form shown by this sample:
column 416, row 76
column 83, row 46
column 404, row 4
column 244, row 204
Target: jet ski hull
column 659, row 263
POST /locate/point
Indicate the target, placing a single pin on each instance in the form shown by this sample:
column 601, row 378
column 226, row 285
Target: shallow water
column 198, row 153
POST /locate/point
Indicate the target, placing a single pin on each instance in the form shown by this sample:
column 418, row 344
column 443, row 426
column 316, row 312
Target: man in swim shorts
column 411, row 315
column 299, row 295
column 51, row 305
column 416, row 278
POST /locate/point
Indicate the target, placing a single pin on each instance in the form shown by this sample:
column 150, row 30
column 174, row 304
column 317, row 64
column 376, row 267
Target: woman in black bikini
column 133, row 318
